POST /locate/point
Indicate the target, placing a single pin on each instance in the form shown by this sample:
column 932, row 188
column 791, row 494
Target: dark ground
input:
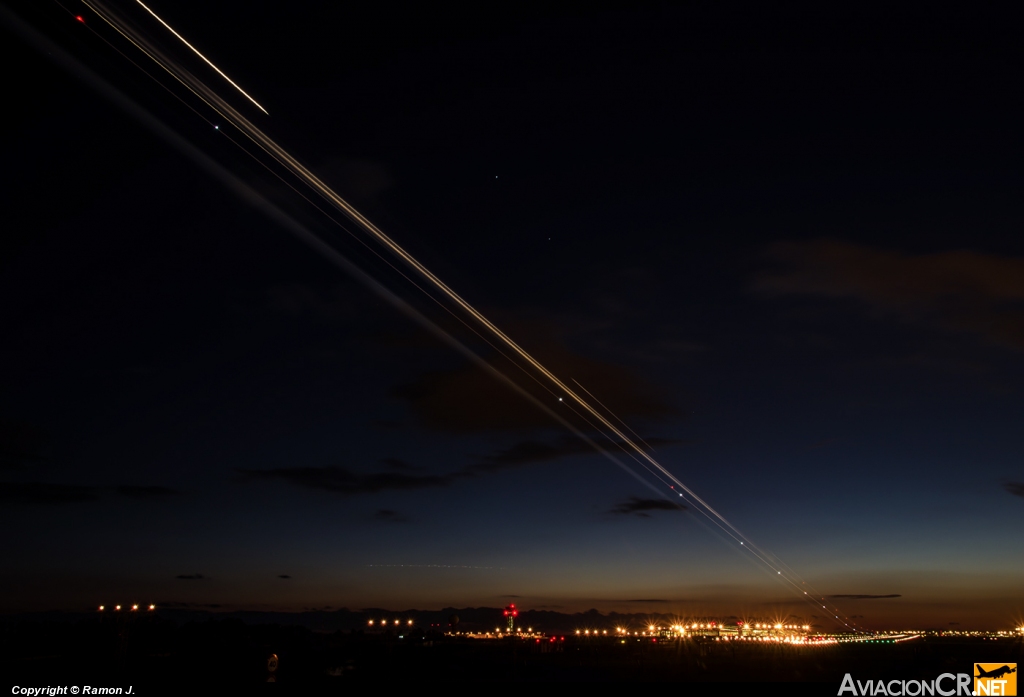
column 157, row 655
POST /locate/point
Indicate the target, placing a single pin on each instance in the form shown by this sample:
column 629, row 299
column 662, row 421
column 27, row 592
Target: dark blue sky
column 787, row 247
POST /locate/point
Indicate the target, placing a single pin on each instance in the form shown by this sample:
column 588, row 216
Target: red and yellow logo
column 995, row 679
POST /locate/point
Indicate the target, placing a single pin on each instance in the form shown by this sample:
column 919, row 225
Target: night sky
column 784, row 247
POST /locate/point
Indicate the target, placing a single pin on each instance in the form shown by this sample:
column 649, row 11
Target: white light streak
column 196, row 51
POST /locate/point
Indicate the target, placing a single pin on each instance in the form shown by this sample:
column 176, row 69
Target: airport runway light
column 371, row 623
column 134, row 608
column 396, row 621
column 410, row 623
column 577, row 631
column 101, row 608
column 152, row 607
column 117, row 607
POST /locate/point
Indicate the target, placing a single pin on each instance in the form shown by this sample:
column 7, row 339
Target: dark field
column 156, row 655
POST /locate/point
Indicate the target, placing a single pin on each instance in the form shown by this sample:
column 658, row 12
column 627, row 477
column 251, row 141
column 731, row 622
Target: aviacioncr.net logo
column 995, row 679
column 946, row 685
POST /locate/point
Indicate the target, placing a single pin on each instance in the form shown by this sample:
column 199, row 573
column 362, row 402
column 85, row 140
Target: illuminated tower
column 511, row 613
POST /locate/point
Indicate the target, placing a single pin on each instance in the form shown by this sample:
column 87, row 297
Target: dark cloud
column 20, row 444
column 471, row 400
column 397, row 464
column 959, row 290
column 147, row 493
column 530, row 451
column 284, row 576
column 191, row 577
column 639, row 507
column 301, row 300
column 389, row 516
column 824, row 443
column 357, row 178
column 1015, row 488
column 342, row 481
column 44, row 493
column 856, row 596
column 409, row 477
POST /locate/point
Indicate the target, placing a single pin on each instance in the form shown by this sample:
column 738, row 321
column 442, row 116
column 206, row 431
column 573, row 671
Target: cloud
column 147, row 493
column 397, row 464
column 409, row 477
column 530, row 451
column 46, row 494
column 469, row 400
column 301, row 300
column 855, row 596
column 191, row 577
column 20, row 444
column 339, row 480
column 1015, row 488
column 960, row 290
column 639, row 507
column 357, row 178
column 389, row 516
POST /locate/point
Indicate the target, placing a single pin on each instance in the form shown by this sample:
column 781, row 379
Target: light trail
column 556, row 386
column 196, row 51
